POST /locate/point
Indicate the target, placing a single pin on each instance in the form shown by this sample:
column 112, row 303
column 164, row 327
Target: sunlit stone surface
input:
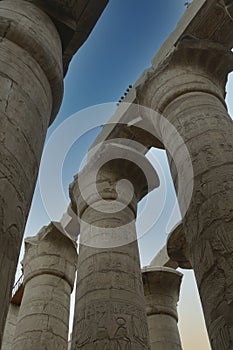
column 110, row 307
column 162, row 288
column 49, row 267
column 38, row 39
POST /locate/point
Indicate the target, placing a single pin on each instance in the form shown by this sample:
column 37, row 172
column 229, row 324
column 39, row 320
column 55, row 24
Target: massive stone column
column 9, row 331
column 31, row 76
column 12, row 316
column 38, row 39
column 188, row 88
column 162, row 288
column 49, row 267
column 110, row 310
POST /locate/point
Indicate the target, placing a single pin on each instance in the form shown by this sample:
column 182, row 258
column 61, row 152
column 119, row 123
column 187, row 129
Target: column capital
column 69, row 224
column 163, row 285
column 177, row 247
column 194, row 65
column 74, row 21
column 27, row 26
column 103, row 178
column 50, row 252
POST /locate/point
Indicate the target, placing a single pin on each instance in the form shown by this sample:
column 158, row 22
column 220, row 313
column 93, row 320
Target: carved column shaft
column 110, row 309
column 9, row 331
column 31, row 90
column 162, row 288
column 189, row 90
column 49, row 266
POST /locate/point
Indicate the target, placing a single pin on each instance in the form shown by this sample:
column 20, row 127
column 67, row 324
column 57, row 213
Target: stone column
column 188, row 88
column 49, row 267
column 161, row 289
column 9, row 331
column 110, row 310
column 31, row 80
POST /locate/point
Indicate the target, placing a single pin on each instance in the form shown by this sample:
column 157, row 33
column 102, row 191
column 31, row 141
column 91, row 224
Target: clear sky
column 124, row 41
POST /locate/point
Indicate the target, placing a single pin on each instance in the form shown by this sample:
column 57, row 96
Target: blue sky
column 124, row 41
column 122, row 45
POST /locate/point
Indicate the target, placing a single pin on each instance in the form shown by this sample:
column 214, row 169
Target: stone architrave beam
column 69, row 224
column 205, row 19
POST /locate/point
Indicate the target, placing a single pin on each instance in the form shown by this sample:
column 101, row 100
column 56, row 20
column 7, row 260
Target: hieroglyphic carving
column 193, row 101
column 210, row 24
column 28, row 80
column 219, row 334
column 204, row 258
column 117, row 325
column 205, row 120
column 115, row 270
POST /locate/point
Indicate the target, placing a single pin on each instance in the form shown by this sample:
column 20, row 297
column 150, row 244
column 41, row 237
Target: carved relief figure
column 123, row 342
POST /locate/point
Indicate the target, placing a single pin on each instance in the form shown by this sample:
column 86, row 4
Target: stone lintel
column 204, row 19
column 69, row 224
column 132, row 123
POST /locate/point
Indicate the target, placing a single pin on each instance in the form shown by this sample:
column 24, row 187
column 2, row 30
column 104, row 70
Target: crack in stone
column 3, row 36
column 8, row 96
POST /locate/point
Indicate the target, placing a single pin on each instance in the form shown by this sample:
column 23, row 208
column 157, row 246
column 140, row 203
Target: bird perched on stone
column 187, row 4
